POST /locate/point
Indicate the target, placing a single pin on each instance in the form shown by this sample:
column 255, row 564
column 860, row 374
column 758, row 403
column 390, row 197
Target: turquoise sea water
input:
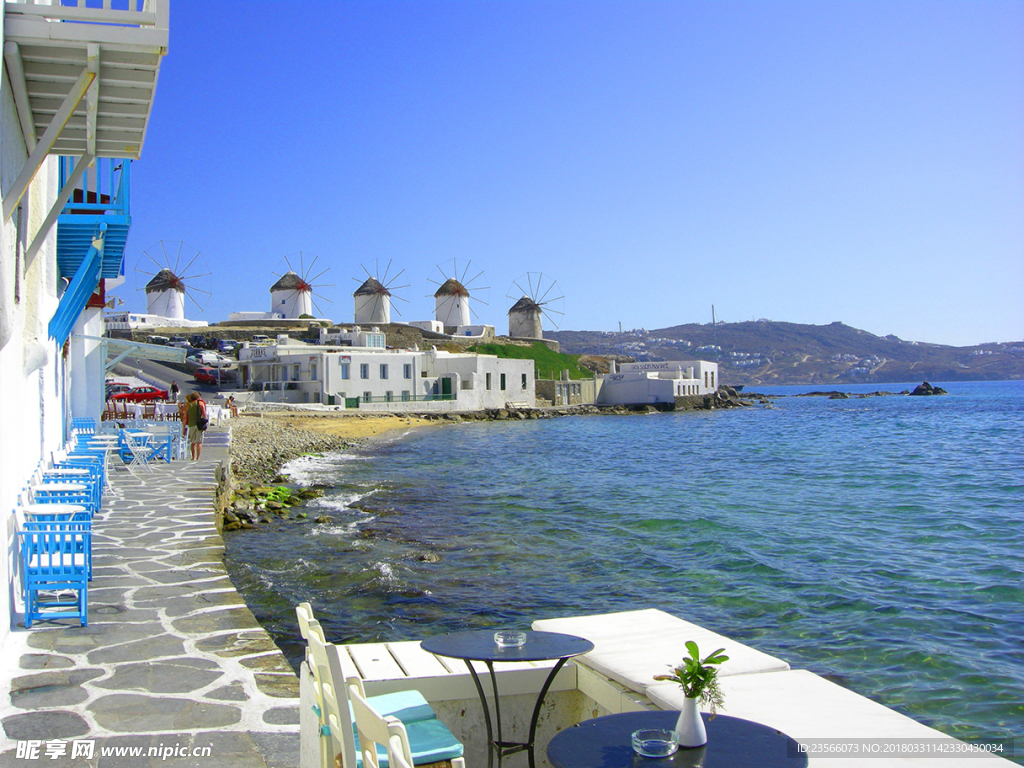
column 877, row 541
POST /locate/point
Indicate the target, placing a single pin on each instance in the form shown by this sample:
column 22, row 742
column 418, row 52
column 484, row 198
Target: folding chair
column 135, row 451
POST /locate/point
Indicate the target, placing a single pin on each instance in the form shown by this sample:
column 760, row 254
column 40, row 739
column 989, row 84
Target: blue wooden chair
column 55, row 558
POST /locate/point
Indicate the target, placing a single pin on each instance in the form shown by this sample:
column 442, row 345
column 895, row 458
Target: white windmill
column 171, row 283
column 293, row 295
column 452, row 297
column 539, row 297
column 373, row 297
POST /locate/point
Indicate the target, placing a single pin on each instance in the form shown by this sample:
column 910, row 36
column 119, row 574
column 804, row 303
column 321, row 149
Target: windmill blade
column 289, row 264
column 177, row 258
column 189, row 265
column 393, row 279
column 167, row 259
column 399, row 297
column 384, row 280
column 193, row 299
column 193, row 277
column 548, row 301
column 158, row 265
column 313, row 280
column 311, row 265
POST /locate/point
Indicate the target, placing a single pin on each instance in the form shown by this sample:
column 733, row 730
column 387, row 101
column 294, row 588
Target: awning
column 77, row 294
column 122, row 348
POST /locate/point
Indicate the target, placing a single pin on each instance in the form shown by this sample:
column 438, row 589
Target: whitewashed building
column 76, row 94
column 380, row 379
column 658, row 382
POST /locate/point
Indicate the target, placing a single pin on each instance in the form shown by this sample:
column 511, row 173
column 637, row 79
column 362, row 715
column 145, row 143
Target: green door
column 446, row 389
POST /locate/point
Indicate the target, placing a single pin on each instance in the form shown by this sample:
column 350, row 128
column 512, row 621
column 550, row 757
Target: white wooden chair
column 340, row 747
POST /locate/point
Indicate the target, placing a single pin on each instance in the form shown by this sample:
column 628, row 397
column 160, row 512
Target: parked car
column 160, row 340
column 226, row 345
column 197, row 340
column 206, row 375
column 180, row 344
column 141, row 395
column 209, row 359
column 259, row 338
column 116, row 388
column 211, row 343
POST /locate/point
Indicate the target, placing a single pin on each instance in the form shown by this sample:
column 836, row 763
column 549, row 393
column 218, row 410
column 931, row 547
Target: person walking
column 194, row 423
column 174, row 391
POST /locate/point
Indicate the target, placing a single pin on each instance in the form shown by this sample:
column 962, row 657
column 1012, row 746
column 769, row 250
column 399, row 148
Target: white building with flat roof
column 658, row 382
column 380, row 379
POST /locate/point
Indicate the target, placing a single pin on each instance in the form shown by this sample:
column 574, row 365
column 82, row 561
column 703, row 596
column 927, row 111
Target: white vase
column 690, row 725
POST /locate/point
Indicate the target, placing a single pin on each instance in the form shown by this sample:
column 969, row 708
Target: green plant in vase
column 699, row 680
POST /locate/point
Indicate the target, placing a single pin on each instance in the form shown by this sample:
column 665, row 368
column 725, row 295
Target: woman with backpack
column 194, row 423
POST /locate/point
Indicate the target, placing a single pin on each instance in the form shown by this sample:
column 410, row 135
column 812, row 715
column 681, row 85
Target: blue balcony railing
column 101, row 197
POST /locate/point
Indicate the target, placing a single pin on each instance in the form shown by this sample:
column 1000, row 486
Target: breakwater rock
column 260, row 446
column 927, row 389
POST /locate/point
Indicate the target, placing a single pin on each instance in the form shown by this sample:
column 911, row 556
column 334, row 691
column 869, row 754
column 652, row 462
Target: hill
column 769, row 352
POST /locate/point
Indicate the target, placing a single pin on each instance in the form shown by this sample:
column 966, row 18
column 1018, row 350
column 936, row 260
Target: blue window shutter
column 77, row 294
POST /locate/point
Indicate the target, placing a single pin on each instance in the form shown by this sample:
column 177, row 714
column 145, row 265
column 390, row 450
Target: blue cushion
column 429, row 740
column 407, row 706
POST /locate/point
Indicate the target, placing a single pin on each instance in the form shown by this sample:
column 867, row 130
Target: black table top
column 479, row 645
column 732, row 742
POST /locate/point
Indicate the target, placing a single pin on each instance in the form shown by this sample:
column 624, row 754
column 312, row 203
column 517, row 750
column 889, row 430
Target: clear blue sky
column 797, row 161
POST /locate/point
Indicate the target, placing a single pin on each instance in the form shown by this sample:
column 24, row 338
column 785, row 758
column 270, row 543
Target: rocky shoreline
column 260, row 447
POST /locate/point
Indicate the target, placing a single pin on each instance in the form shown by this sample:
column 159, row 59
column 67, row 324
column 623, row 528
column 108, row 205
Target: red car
column 141, row 395
column 206, row 376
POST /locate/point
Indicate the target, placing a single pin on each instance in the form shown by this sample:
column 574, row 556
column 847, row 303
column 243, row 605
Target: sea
column 876, row 541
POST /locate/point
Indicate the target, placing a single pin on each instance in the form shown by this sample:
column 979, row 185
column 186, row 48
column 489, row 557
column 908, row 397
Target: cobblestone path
column 171, row 658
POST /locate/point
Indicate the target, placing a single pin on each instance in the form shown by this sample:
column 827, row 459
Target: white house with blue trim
column 75, row 98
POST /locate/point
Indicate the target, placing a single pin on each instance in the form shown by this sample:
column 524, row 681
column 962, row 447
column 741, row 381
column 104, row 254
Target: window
column 407, row 371
column 488, row 383
column 524, row 381
column 296, row 372
column 312, row 371
column 405, row 394
column 367, row 396
column 501, row 385
column 344, row 370
column 383, row 370
column 364, row 370
column 389, row 396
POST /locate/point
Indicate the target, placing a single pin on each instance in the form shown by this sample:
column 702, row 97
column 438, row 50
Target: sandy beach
column 345, row 425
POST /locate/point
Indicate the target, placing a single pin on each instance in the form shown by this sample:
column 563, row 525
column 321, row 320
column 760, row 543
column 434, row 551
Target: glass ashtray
column 510, row 638
column 655, row 742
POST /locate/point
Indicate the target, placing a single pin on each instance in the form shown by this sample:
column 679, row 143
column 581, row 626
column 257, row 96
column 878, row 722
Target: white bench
column 633, row 646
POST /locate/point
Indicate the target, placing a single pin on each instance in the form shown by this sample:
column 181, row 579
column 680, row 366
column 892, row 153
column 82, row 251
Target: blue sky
column 798, row 161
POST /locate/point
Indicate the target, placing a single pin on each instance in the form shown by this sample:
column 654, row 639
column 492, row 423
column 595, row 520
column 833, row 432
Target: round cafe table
column 480, row 646
column 55, row 511
column 606, row 742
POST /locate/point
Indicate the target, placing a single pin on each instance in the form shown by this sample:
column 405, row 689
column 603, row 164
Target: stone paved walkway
column 172, row 657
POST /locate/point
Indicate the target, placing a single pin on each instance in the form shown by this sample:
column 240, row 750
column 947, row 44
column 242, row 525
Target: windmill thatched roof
column 165, row 280
column 289, row 282
column 525, row 304
column 372, row 287
column 451, row 287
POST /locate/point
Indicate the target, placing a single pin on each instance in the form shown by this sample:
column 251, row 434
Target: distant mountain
column 769, row 352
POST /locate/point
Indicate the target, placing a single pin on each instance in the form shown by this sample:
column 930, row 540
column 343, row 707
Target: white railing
column 142, row 13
